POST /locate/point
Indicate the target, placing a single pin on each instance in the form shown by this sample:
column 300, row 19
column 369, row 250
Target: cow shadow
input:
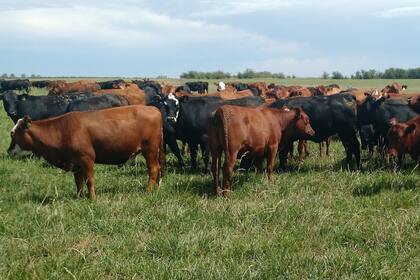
column 385, row 184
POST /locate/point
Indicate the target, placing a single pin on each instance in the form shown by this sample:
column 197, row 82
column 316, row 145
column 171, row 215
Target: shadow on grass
column 385, row 184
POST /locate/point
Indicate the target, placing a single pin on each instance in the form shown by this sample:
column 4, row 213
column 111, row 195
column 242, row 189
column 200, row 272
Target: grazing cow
column 38, row 107
column 77, row 140
column 40, row 84
column 190, row 119
column 235, row 131
column 112, row 84
column 404, row 138
column 80, row 86
column 329, row 115
column 18, row 84
column 200, row 87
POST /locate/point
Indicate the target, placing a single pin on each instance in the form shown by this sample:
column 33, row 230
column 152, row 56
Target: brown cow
column 81, row 86
column 235, row 131
column 414, row 102
column 132, row 93
column 76, row 140
column 404, row 138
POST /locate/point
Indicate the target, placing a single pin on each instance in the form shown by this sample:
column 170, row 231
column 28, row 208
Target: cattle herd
column 81, row 123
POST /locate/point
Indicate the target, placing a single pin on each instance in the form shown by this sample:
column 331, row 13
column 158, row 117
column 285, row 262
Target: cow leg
column 205, row 153
column 173, row 145
column 321, row 145
column 291, row 149
column 152, row 162
column 259, row 162
column 301, row 148
column 216, row 157
column 227, row 172
column 80, row 181
column 283, row 158
column 327, row 144
column 90, row 180
column 193, row 155
column 271, row 158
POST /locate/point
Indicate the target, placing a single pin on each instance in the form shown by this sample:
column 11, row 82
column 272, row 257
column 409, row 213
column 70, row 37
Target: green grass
column 314, row 221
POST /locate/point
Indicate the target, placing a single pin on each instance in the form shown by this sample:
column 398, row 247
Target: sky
column 147, row 38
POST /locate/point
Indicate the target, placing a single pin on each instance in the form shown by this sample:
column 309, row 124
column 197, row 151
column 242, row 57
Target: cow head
column 302, row 124
column 20, row 138
column 172, row 108
column 9, row 102
column 397, row 137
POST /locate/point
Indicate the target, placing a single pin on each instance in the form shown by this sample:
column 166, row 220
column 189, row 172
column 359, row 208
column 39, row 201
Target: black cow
column 200, row 87
column 19, row 84
column 99, row 102
column 38, row 107
column 190, row 119
column 379, row 112
column 142, row 84
column 183, row 88
column 40, row 84
column 110, row 84
column 329, row 115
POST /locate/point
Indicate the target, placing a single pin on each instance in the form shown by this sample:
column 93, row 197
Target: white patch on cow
column 16, row 126
column 173, row 97
column 17, row 152
column 221, row 86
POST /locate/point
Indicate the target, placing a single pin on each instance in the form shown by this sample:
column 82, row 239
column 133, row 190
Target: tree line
column 247, row 74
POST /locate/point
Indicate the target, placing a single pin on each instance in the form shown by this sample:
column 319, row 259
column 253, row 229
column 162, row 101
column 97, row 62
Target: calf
column 235, row 131
column 112, row 84
column 77, row 140
column 404, row 138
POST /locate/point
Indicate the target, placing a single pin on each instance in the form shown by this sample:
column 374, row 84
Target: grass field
column 314, row 221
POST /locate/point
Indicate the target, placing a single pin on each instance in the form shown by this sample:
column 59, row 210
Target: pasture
column 315, row 220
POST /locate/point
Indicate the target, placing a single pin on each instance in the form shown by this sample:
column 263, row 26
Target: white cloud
column 400, row 12
column 235, row 7
column 129, row 27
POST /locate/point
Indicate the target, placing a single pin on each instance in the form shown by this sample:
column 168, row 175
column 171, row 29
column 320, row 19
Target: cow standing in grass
column 77, row 140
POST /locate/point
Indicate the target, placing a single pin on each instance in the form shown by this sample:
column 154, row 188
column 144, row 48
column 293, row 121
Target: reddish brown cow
column 76, row 140
column 404, row 138
column 235, row 131
column 132, row 93
column 81, row 86
column 414, row 102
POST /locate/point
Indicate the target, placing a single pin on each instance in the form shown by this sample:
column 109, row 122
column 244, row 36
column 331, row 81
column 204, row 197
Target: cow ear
column 27, row 121
column 393, row 121
column 410, row 128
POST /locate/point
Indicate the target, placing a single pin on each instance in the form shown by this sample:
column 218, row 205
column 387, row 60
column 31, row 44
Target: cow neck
column 286, row 118
column 43, row 136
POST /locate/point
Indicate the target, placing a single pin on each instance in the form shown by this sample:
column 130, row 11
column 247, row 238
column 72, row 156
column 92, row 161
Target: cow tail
column 162, row 155
column 221, row 123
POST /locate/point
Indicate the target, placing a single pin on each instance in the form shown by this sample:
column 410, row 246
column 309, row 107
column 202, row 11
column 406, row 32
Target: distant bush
column 205, row 75
column 337, row 75
column 390, row 73
column 247, row 74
